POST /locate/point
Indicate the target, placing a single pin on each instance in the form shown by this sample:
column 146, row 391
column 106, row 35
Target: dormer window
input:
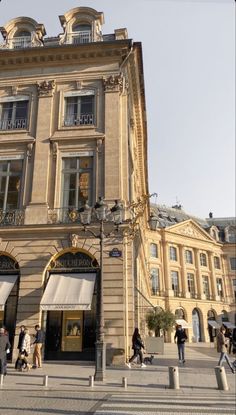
column 81, row 34
column 21, row 39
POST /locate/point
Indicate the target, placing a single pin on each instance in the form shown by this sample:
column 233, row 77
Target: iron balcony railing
column 74, row 119
column 79, row 37
column 14, row 217
column 15, row 124
column 63, row 215
column 158, row 293
column 20, row 42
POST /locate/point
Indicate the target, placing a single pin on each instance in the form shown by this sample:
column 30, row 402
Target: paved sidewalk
column 197, row 375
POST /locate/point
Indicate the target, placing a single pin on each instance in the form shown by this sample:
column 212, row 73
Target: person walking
column 137, row 346
column 21, row 336
column 26, row 348
column 222, row 344
column 180, row 338
column 38, row 344
column 4, row 347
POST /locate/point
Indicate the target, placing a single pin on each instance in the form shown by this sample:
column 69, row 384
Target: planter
column 154, row 345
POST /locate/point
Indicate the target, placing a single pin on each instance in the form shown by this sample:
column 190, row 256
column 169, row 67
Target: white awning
column 183, row 323
column 228, row 324
column 68, row 292
column 213, row 324
column 6, row 284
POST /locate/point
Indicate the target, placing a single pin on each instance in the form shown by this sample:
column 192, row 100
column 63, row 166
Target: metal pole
column 100, row 364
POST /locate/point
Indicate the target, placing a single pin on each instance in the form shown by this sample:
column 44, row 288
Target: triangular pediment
column 190, row 228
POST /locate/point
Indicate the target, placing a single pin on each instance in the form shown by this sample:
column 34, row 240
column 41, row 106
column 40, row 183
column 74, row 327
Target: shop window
column 203, row 260
column 10, row 184
column 188, row 256
column 173, row 253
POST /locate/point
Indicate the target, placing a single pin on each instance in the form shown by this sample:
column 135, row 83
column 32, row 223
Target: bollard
column 173, row 377
column 91, row 381
column 45, row 381
column 1, row 380
column 221, row 378
column 124, row 382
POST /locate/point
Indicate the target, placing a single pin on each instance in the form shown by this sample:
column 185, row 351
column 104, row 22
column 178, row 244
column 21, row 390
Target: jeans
column 181, row 350
column 224, row 356
column 137, row 352
column 3, row 366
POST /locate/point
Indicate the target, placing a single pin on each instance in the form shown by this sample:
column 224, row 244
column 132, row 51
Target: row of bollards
column 173, row 379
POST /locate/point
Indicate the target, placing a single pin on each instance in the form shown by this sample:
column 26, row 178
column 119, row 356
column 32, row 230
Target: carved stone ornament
column 115, row 83
column 29, row 150
column 14, row 89
column 190, row 231
column 45, row 88
column 74, row 240
column 54, row 150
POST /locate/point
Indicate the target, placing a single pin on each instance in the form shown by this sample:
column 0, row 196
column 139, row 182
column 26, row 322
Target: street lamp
column 103, row 214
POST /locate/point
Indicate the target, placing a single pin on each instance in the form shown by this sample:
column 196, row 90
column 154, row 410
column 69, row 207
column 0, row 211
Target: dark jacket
column 21, row 338
column 137, row 343
column 4, row 345
column 39, row 337
column 181, row 336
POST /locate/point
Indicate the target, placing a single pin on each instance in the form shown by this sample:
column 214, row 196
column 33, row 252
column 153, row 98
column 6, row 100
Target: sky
column 189, row 70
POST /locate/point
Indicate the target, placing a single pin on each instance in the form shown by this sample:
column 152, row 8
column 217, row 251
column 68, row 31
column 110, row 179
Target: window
column 81, row 33
column 175, row 282
column 10, row 184
column 153, row 251
column 233, row 263
column 189, row 256
column 173, row 253
column 205, row 284
column 216, row 262
column 13, row 115
column 77, row 181
column 191, row 284
column 203, row 260
column 155, row 281
column 219, row 287
column 22, row 39
column 79, row 110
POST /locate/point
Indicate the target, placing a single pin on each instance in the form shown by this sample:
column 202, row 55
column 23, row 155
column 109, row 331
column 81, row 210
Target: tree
column 160, row 320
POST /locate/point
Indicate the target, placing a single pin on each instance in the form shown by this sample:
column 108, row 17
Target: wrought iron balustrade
column 15, row 124
column 74, row 119
column 14, row 217
column 19, row 42
column 158, row 293
column 79, row 37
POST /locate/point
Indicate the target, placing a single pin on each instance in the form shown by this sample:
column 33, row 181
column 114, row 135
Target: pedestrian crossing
column 167, row 404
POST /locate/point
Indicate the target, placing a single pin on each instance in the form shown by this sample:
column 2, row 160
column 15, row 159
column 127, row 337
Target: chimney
column 210, row 215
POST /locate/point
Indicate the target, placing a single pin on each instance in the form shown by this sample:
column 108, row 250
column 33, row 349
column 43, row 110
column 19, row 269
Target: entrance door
column 72, row 331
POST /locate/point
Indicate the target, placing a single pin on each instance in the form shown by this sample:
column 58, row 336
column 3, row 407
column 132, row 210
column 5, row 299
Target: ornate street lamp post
column 103, row 214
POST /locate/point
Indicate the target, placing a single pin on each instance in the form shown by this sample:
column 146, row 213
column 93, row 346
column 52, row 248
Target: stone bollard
column 173, row 377
column 221, row 378
column 45, row 381
column 1, row 380
column 124, row 382
column 91, row 381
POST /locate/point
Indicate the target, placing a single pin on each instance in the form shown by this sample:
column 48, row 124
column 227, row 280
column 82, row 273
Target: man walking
column 181, row 336
column 38, row 343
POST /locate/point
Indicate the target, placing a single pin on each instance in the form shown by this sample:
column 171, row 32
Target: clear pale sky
column 189, row 67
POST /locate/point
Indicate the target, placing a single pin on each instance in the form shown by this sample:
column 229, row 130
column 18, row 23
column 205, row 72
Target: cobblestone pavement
column 68, row 390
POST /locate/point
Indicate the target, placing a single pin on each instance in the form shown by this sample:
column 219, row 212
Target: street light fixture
column 103, row 214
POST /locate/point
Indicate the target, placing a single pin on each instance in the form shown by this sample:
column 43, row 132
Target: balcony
column 12, row 217
column 63, row 215
column 78, row 38
column 75, row 120
column 15, row 124
column 158, row 293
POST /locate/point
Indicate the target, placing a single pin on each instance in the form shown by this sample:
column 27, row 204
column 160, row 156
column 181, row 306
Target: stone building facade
column 192, row 270
column 72, row 129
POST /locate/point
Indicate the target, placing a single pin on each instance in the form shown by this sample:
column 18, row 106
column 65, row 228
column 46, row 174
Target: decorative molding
column 75, row 241
column 189, row 230
column 45, row 88
column 14, row 89
column 78, row 85
column 99, row 145
column 54, row 150
column 115, row 83
column 29, row 150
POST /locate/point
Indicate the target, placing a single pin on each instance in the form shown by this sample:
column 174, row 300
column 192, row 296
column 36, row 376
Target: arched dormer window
column 22, row 32
column 81, row 33
column 214, row 232
column 230, row 234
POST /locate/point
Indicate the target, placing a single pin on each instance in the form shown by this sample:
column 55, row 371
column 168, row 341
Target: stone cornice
column 60, row 55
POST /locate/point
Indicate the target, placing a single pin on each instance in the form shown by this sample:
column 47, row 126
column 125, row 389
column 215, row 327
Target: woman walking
column 26, row 348
column 137, row 346
column 222, row 348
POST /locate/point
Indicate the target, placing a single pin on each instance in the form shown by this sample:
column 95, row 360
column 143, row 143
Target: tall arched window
column 82, row 33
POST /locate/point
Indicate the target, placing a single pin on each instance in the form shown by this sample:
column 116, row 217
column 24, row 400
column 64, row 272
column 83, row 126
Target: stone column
column 198, row 275
column 37, row 210
column 185, row 292
column 213, row 277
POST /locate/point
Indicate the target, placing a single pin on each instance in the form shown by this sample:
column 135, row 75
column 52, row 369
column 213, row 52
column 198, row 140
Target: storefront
column 68, row 306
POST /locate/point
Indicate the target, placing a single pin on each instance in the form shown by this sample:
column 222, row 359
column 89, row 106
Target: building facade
column 191, row 271
column 72, row 129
